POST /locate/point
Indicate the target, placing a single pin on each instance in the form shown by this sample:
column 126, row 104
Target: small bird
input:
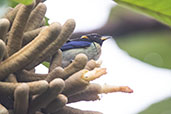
column 89, row 44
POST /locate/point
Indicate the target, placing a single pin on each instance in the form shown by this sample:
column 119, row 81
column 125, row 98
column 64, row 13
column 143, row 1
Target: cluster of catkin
column 26, row 42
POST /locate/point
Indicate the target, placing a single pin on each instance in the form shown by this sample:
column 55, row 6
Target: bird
column 89, row 44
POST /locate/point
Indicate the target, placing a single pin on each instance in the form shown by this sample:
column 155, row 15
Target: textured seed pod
column 11, row 78
column 28, row 53
column 65, row 33
column 21, row 99
column 36, row 87
column 41, row 101
column 36, row 17
column 4, row 26
column 80, row 80
column 70, row 110
column 92, row 64
column 30, row 35
column 56, row 104
column 58, row 72
column 56, row 60
column 74, row 83
column 16, row 33
column 77, row 64
column 89, row 94
column 2, row 50
column 28, row 76
column 41, row 56
column 10, row 15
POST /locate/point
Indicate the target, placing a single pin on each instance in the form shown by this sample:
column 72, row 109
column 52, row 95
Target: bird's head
column 94, row 37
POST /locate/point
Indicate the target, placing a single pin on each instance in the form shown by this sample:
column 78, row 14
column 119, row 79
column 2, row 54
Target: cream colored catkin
column 17, row 30
column 29, row 52
column 65, row 33
column 4, row 27
column 36, row 17
column 21, row 99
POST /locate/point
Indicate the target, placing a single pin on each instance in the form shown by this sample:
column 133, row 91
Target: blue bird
column 89, row 44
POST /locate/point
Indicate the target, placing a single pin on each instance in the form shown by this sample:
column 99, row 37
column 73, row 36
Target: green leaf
column 46, row 64
column 47, row 21
column 25, row 2
column 163, row 107
column 159, row 9
column 12, row 3
column 149, row 47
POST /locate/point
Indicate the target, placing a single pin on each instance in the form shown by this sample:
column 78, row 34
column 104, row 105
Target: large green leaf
column 149, row 47
column 163, row 107
column 25, row 2
column 159, row 9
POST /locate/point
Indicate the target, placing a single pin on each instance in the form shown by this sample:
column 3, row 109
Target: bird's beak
column 103, row 38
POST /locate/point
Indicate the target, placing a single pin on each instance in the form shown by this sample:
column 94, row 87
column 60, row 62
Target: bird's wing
column 75, row 44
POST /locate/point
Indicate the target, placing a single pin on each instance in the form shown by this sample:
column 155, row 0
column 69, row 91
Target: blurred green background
column 147, row 40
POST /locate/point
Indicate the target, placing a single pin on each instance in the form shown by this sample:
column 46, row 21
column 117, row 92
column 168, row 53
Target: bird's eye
column 96, row 36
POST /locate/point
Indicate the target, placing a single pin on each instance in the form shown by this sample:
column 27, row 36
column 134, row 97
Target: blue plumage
column 75, row 44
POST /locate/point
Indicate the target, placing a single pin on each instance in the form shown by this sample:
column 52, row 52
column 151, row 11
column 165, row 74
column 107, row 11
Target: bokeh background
column 138, row 55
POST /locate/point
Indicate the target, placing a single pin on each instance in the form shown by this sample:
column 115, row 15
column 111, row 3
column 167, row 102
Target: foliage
column 46, row 64
column 151, row 47
column 47, row 20
column 159, row 9
column 25, row 2
column 12, row 3
column 162, row 107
